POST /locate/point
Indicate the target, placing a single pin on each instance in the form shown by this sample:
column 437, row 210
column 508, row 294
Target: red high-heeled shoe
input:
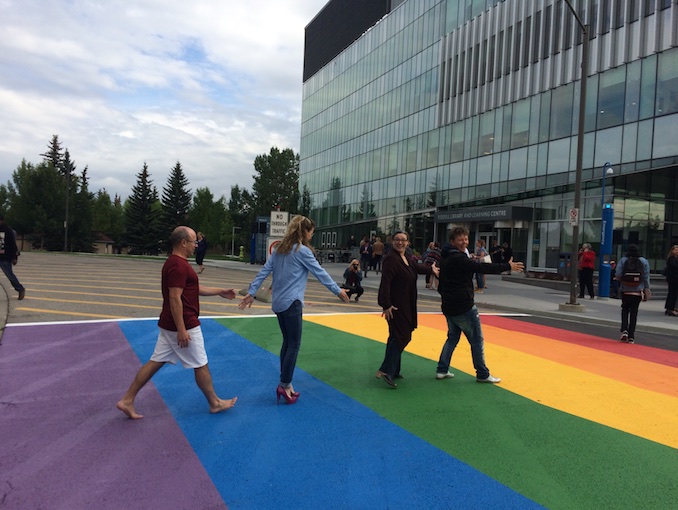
column 280, row 392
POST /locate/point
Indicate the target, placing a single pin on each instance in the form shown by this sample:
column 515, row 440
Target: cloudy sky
column 209, row 83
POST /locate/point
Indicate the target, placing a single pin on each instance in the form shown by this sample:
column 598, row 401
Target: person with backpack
column 633, row 273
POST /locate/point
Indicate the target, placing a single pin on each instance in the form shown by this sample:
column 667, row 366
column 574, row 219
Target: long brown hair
column 296, row 234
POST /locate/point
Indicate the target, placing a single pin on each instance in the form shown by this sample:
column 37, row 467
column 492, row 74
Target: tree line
column 50, row 205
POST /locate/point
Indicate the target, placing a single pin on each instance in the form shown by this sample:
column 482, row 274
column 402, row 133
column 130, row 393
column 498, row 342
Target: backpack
column 632, row 273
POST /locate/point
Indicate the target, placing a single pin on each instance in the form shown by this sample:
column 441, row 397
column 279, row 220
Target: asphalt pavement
column 506, row 293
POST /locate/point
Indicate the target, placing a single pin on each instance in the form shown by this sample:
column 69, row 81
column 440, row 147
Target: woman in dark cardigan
column 398, row 299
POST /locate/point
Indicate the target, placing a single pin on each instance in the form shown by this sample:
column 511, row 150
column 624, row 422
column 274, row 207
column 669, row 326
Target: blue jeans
column 6, row 266
column 469, row 324
column 290, row 325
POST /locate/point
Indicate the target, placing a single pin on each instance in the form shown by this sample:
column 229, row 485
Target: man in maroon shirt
column 180, row 337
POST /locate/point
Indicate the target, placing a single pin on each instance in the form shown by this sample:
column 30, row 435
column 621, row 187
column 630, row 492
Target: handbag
column 486, row 259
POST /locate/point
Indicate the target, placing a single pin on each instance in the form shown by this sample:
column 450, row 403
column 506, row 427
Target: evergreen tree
column 67, row 170
column 176, row 199
column 276, row 184
column 143, row 217
column 54, row 154
column 81, row 236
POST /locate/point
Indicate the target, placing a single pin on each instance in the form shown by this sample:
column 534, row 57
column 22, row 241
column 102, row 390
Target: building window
column 667, row 83
column 561, row 112
column 611, row 98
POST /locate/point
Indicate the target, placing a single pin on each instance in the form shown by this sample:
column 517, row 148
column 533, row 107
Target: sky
column 208, row 83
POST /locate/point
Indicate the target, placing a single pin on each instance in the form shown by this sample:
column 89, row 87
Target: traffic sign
column 574, row 217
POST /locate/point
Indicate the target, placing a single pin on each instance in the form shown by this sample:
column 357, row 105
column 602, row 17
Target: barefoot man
column 180, row 337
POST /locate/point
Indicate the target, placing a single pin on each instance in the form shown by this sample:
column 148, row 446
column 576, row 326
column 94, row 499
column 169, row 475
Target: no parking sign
column 272, row 245
column 574, row 217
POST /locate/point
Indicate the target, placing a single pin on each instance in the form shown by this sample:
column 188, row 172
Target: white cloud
column 208, row 83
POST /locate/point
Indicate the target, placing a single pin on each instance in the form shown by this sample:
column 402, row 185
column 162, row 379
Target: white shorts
column 167, row 349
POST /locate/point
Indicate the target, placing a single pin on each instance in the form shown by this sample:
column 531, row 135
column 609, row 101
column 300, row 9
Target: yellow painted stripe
column 610, row 402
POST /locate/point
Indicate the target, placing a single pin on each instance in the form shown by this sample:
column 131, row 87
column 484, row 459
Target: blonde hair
column 671, row 250
column 296, row 234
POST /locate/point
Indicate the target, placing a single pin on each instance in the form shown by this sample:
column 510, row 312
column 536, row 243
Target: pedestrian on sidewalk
column 633, row 273
column 587, row 259
column 290, row 264
column 8, row 256
column 398, row 299
column 479, row 256
column 180, row 337
column 200, row 252
column 458, row 305
column 671, row 273
column 365, row 255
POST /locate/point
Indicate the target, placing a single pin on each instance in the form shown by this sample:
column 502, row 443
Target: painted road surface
column 578, row 421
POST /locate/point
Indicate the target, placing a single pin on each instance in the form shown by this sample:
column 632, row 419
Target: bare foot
column 129, row 410
column 223, row 405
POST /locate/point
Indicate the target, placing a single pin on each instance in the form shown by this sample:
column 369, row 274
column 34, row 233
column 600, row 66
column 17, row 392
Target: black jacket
column 456, row 279
column 8, row 246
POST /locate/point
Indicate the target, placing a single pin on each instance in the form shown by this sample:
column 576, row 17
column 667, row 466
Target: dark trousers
column 586, row 281
column 290, row 322
column 629, row 306
column 672, row 296
column 356, row 289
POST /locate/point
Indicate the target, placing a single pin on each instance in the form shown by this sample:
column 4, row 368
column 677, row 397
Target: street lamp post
column 580, row 153
column 606, row 226
column 233, row 240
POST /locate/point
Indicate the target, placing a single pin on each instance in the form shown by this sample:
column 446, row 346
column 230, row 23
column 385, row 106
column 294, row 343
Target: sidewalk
column 507, row 294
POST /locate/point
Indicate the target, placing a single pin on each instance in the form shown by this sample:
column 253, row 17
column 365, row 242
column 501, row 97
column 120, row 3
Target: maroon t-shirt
column 177, row 272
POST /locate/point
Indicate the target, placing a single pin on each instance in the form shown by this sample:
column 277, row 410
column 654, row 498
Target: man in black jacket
column 457, row 293
column 8, row 253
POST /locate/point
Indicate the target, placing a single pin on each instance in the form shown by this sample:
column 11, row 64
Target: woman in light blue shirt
column 290, row 265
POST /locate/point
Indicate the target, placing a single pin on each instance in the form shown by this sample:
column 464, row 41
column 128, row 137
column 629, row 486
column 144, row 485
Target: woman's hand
column 388, row 312
column 246, row 302
column 435, row 269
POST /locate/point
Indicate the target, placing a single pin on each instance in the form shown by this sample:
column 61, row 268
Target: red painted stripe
column 641, row 352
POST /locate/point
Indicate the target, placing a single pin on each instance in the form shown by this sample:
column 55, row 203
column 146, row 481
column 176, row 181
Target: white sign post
column 574, row 217
column 278, row 227
column 279, row 221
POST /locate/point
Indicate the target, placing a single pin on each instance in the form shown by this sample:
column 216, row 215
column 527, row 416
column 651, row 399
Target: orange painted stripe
column 639, row 373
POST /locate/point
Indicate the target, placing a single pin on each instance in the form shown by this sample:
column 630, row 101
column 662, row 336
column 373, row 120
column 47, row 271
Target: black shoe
column 631, row 340
column 398, row 376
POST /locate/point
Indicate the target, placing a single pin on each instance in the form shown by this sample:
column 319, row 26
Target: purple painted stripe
column 65, row 446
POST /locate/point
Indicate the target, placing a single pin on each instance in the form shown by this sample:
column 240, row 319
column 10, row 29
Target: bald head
column 181, row 233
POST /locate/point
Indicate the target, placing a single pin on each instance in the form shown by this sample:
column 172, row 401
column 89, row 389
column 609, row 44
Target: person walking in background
column 671, row 273
column 377, row 254
column 365, row 255
column 496, row 253
column 587, row 259
column 8, row 256
column 479, row 256
column 352, row 279
column 180, row 337
column 200, row 251
column 290, row 265
column 458, row 306
column 633, row 273
column 398, row 299
column 432, row 256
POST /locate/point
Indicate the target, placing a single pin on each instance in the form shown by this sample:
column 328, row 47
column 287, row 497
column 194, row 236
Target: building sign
column 499, row 213
column 279, row 221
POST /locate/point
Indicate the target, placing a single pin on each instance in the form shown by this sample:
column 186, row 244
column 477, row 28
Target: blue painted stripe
column 326, row 451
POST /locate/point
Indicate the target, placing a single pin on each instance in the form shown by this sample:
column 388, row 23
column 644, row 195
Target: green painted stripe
column 555, row 459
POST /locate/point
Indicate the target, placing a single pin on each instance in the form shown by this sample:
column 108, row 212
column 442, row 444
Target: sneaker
column 489, row 379
column 631, row 340
column 22, row 294
column 624, row 336
column 448, row 375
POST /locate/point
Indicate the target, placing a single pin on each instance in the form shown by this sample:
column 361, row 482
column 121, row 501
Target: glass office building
column 465, row 112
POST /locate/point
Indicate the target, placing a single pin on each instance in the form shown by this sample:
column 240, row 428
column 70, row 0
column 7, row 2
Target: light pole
column 233, row 240
column 606, row 226
column 580, row 153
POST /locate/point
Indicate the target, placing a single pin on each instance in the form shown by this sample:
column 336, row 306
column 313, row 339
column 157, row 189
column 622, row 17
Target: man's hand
column 516, row 266
column 246, row 302
column 227, row 293
column 388, row 312
column 183, row 338
column 343, row 296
